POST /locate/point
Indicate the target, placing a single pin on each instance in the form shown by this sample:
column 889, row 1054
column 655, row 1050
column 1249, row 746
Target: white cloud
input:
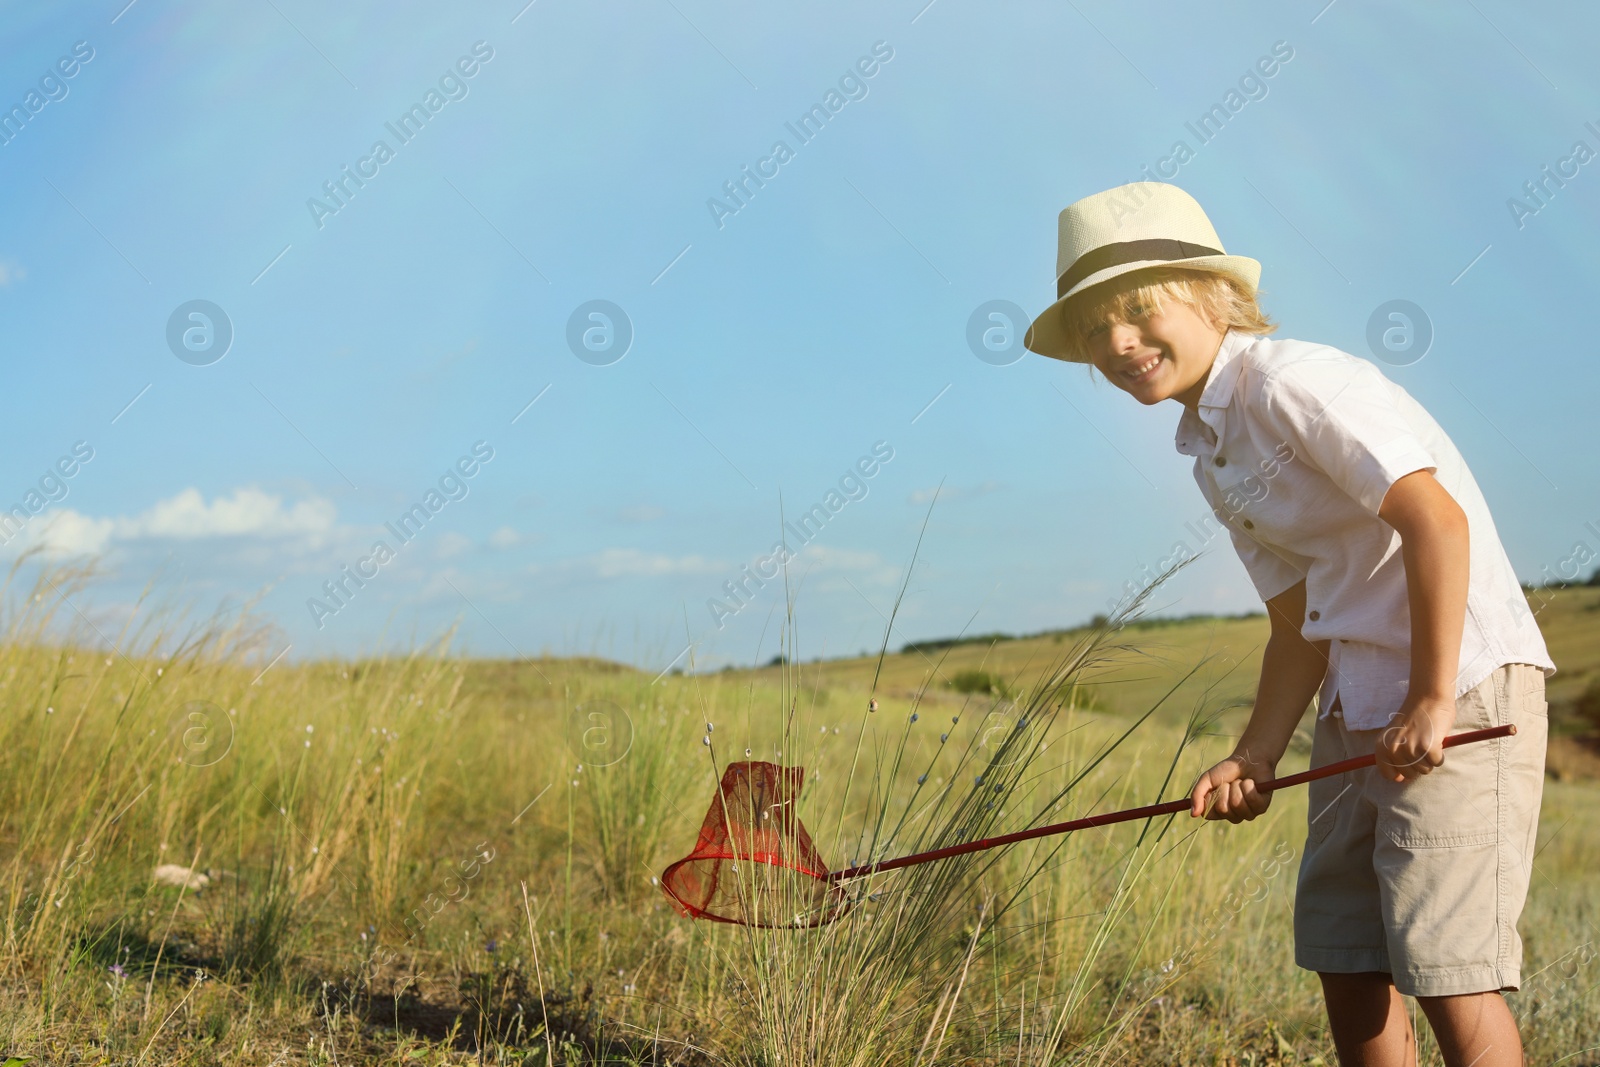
column 630, row 562
column 641, row 513
column 953, row 492
column 10, row 272
column 823, row 558
column 66, row 533
column 247, row 512
column 505, row 537
column 453, row 544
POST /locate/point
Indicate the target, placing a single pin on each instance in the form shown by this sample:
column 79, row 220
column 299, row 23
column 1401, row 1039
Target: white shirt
column 1295, row 445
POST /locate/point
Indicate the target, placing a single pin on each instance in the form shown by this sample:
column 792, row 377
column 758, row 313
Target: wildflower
column 491, row 945
column 117, row 971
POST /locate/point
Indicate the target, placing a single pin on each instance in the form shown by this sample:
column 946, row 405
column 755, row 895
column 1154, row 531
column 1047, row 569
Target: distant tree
column 976, row 681
column 1587, row 705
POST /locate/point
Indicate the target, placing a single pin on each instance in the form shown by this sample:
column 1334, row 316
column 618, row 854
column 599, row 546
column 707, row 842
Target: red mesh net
column 754, row 863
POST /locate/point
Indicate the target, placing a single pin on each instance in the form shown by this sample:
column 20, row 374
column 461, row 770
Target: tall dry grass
column 368, row 827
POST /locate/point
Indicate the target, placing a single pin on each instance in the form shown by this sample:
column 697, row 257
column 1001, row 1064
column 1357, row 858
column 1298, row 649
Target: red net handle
column 1171, row 807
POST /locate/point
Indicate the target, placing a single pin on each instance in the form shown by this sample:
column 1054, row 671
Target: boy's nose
column 1124, row 338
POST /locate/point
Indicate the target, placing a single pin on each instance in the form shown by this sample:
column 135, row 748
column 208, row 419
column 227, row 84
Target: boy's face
column 1157, row 355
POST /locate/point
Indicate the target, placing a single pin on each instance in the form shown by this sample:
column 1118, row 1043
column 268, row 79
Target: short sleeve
column 1346, row 418
column 1269, row 572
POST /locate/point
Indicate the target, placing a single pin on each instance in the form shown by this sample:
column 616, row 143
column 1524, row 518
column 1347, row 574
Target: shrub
column 979, row 681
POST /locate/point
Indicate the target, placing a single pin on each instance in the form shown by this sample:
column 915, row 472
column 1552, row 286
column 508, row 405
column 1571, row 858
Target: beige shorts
column 1425, row 879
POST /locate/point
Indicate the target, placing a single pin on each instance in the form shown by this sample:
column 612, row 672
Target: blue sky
column 771, row 350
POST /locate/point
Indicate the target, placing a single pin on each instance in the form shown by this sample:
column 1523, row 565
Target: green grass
column 408, row 866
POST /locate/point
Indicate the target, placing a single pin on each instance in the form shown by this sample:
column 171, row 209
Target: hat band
column 1120, row 252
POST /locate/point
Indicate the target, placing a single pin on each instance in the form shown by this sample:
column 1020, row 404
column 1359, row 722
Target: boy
column 1390, row 599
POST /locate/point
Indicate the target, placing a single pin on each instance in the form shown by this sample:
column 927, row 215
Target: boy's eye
column 1095, row 331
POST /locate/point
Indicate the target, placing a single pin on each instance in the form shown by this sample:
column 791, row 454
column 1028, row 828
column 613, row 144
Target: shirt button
column 1248, row 525
column 1314, row 616
column 1221, row 461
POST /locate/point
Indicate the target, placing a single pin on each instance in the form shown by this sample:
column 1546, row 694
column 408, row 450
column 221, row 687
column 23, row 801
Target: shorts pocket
column 1455, row 806
column 1533, row 698
column 1323, row 802
column 1411, row 838
column 1476, row 708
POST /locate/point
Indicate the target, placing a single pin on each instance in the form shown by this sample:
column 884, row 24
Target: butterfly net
column 754, row 863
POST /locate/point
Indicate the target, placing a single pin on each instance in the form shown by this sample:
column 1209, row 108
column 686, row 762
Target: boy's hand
column 1230, row 789
column 1413, row 743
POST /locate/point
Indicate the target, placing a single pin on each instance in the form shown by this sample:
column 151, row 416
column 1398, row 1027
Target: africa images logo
column 852, row 86
column 452, row 86
column 454, row 484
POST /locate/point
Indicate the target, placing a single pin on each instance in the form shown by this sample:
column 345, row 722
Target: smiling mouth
column 1141, row 371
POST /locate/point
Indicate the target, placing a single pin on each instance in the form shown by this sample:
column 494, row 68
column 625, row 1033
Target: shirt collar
column 1215, row 397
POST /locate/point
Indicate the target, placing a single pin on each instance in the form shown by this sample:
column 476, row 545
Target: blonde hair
column 1217, row 298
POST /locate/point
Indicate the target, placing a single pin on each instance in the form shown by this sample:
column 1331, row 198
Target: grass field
column 431, row 859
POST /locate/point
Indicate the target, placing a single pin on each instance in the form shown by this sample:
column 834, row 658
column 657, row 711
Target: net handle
column 1168, row 808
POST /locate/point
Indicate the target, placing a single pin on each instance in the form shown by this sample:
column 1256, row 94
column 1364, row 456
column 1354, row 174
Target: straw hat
column 1131, row 227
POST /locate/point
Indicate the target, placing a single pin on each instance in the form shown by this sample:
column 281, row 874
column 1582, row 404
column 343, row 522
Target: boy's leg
column 1338, row 914
column 1368, row 1018
column 1475, row 1029
column 1454, row 854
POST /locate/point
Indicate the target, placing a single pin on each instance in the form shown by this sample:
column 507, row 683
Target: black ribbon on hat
column 1120, row 252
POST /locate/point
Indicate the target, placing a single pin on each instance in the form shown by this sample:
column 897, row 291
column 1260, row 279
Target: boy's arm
column 1434, row 546
column 1292, row 669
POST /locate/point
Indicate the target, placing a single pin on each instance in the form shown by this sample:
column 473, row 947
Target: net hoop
column 752, row 820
